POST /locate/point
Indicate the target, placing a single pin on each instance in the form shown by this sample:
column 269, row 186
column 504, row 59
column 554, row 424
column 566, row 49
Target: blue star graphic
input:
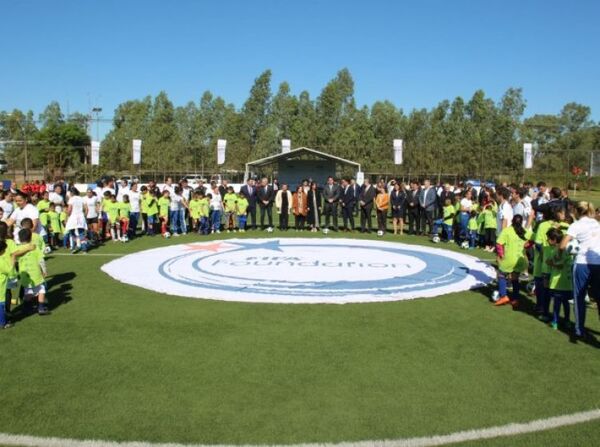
column 268, row 245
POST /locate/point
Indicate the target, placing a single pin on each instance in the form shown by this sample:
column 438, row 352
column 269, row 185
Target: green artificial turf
column 117, row 362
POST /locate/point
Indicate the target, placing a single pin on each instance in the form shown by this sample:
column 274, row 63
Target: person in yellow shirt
column 382, row 202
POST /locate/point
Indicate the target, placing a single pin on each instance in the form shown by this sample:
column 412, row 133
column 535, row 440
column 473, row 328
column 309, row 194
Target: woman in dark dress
column 314, row 207
column 398, row 203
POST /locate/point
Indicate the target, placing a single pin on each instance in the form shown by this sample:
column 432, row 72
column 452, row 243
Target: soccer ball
column 380, row 233
column 167, row 235
column 464, row 245
column 436, row 239
column 325, row 231
column 47, row 250
column 531, row 288
column 495, row 296
column 270, row 230
column 573, row 247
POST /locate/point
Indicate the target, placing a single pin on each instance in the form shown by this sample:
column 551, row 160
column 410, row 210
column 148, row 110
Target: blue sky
column 414, row 54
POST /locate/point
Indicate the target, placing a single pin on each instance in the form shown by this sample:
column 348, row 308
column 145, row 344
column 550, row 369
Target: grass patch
column 122, row 363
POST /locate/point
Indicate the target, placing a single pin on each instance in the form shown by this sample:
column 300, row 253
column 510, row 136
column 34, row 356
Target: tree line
column 478, row 137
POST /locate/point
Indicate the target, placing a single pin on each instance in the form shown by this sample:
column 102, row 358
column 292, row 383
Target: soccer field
column 117, row 362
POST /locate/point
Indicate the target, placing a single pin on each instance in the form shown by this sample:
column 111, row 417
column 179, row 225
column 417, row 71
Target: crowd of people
column 530, row 228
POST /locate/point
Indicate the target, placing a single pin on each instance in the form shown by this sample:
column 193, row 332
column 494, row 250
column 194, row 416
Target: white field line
column 425, row 441
column 81, row 255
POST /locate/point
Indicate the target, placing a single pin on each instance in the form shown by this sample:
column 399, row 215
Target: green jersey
column 204, row 207
column 561, row 270
column 43, row 206
column 30, row 270
column 542, row 248
column 449, row 213
column 112, row 211
column 124, row 210
column 54, row 222
column 144, row 203
column 38, row 242
column 472, row 225
column 151, row 205
column 242, row 205
column 163, row 206
column 489, row 219
column 514, row 259
column 230, row 201
column 11, row 248
column 195, row 206
column 6, row 269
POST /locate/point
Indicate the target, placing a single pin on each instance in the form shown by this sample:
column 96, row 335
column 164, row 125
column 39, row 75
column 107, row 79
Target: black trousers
column 427, row 220
column 348, row 216
column 382, row 220
column 365, row 217
column 300, row 222
column 414, row 221
column 252, row 214
column 268, row 211
column 330, row 209
column 284, row 220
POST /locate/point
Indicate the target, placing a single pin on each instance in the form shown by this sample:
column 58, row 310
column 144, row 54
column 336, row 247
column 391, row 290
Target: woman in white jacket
column 283, row 203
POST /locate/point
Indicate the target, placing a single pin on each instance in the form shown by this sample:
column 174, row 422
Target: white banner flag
column 95, row 155
column 398, row 146
column 528, row 155
column 137, row 152
column 286, row 146
column 221, row 145
column 360, row 178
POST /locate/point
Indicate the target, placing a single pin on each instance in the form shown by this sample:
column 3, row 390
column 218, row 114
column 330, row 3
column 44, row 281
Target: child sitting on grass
column 32, row 273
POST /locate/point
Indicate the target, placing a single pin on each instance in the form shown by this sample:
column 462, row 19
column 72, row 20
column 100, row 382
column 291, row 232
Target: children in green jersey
column 32, row 271
column 7, row 272
column 242, row 211
column 194, row 208
column 510, row 249
column 54, row 228
column 36, row 239
column 204, row 211
column 124, row 212
column 560, row 284
column 112, row 212
column 151, row 204
column 490, row 226
column 163, row 211
column 472, row 228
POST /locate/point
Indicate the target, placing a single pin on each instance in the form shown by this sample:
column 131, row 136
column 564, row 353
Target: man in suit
column 365, row 202
column 412, row 208
column 348, row 202
column 331, row 196
column 265, row 196
column 427, row 206
column 249, row 190
column 445, row 194
column 356, row 192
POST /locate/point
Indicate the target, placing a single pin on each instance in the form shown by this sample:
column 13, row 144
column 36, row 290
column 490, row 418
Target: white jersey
column 505, row 212
column 134, row 201
column 76, row 219
column 31, row 212
column 7, row 207
column 92, row 206
column 124, row 190
column 587, row 232
column 176, row 203
column 58, row 200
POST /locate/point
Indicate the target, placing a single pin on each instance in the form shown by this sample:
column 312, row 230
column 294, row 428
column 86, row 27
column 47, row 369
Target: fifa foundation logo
column 301, row 270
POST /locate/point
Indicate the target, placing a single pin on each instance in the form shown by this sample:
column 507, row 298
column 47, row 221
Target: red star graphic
column 208, row 247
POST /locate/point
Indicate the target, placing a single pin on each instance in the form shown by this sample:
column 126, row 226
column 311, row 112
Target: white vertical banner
column 221, row 145
column 137, row 152
column 398, row 146
column 528, row 155
column 95, row 155
column 286, row 146
column 360, row 178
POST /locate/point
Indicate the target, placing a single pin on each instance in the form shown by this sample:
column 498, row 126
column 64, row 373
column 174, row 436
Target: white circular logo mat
column 297, row 270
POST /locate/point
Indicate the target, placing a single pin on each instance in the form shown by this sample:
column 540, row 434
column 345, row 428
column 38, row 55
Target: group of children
column 170, row 214
column 22, row 272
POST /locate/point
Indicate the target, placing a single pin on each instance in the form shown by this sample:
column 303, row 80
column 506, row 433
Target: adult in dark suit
column 398, row 203
column 265, row 196
column 331, row 196
column 412, row 208
column 365, row 202
column 348, row 201
column 249, row 190
column 314, row 207
column 445, row 194
column 356, row 191
column 427, row 205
